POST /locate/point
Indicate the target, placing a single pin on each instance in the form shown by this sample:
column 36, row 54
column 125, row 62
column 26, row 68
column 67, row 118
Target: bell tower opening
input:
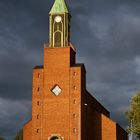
column 59, row 34
column 58, row 39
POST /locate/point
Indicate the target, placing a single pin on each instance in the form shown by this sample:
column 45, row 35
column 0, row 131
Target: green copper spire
column 59, row 6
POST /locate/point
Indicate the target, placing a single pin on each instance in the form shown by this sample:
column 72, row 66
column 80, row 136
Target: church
column 62, row 108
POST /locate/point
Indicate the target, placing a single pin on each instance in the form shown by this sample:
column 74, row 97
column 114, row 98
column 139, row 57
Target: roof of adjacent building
column 38, row 67
column 59, row 6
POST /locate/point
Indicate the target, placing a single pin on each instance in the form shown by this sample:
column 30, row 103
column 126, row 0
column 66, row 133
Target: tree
column 133, row 115
column 1, row 138
column 19, row 135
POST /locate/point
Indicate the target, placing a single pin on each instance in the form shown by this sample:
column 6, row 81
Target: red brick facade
column 72, row 115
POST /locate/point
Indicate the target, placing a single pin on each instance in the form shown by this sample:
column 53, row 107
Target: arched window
column 58, row 39
column 55, row 138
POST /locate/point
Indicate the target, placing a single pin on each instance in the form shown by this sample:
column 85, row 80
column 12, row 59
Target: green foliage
column 1, row 138
column 133, row 115
column 19, row 135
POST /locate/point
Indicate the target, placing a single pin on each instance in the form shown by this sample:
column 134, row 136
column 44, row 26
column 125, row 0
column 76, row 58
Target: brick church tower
column 62, row 108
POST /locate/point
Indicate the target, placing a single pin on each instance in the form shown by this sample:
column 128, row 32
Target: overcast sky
column 106, row 34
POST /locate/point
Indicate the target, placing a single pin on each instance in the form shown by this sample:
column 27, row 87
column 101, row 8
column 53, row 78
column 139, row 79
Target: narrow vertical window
column 38, row 89
column 74, row 115
column 37, row 116
column 37, row 130
column 38, row 102
column 38, row 75
column 74, row 101
column 74, row 130
column 74, row 87
column 74, row 74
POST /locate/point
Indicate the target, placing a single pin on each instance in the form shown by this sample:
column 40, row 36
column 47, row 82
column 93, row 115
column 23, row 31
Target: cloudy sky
column 106, row 34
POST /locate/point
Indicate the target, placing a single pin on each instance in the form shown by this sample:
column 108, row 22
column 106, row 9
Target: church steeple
column 59, row 6
column 59, row 35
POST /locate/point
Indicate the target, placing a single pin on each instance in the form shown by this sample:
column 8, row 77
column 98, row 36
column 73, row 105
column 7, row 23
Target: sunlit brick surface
column 73, row 114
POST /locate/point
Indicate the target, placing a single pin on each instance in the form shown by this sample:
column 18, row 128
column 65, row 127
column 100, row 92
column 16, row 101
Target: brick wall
column 27, row 131
column 121, row 133
column 108, row 128
column 74, row 114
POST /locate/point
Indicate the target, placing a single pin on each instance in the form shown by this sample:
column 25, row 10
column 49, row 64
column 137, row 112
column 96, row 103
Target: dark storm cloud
column 106, row 35
column 13, row 116
column 113, row 59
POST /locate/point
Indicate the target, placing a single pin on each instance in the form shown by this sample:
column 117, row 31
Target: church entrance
column 55, row 138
